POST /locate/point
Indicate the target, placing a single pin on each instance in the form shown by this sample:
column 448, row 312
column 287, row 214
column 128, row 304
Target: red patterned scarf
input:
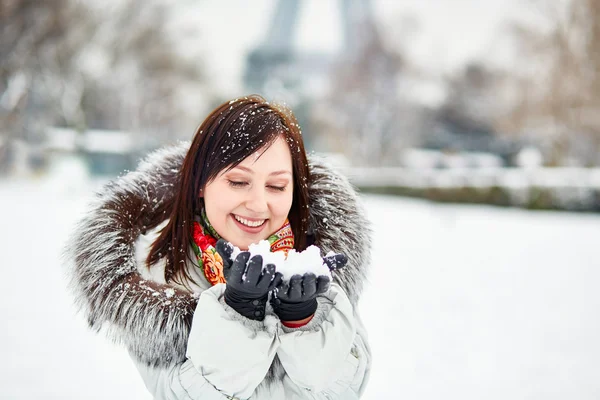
column 204, row 238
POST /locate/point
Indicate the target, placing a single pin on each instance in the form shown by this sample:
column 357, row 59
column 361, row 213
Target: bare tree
column 472, row 101
column 38, row 42
column 560, row 90
column 363, row 116
column 66, row 62
column 146, row 74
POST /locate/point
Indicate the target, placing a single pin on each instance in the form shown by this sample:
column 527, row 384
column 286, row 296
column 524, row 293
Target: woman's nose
column 257, row 201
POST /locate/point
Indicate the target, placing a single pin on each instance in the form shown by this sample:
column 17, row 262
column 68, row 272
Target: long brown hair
column 232, row 132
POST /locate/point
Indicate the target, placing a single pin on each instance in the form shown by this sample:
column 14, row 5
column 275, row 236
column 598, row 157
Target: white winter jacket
column 190, row 344
column 326, row 359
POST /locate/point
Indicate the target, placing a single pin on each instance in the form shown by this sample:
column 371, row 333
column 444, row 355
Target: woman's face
column 251, row 201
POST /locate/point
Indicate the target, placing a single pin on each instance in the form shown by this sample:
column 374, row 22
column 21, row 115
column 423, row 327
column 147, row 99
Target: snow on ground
column 464, row 302
column 471, row 302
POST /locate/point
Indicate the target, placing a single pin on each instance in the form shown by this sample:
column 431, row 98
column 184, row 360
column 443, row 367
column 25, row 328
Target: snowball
column 306, row 261
column 262, row 248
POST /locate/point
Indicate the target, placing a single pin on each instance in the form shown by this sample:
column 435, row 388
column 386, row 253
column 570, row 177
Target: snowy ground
column 464, row 302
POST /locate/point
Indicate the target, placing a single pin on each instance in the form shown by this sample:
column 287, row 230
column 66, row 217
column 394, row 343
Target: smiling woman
column 229, row 172
column 153, row 262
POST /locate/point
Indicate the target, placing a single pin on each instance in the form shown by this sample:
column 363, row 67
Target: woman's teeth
column 252, row 224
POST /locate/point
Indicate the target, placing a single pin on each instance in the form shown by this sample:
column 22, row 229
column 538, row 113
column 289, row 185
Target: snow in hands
column 296, row 263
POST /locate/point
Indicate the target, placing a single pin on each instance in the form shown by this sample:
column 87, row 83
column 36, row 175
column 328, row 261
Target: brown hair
column 232, row 132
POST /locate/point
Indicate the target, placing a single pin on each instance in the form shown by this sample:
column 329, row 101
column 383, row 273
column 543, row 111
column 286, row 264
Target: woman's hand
column 335, row 261
column 248, row 285
column 225, row 250
column 296, row 300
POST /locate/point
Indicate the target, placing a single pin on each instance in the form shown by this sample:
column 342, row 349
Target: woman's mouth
column 249, row 225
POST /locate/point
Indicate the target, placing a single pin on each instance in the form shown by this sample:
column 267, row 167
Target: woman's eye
column 237, row 183
column 278, row 188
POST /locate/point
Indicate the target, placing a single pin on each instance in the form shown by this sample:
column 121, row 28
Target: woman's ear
column 200, row 193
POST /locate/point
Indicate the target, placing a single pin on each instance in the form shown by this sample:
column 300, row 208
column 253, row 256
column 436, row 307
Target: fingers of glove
column 276, row 282
column 295, row 293
column 254, row 270
column 282, row 290
column 309, row 285
column 322, row 284
column 239, row 267
column 264, row 282
column 335, row 261
column 225, row 250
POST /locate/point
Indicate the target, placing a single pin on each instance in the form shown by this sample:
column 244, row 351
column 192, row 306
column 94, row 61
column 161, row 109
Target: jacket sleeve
column 177, row 382
column 231, row 352
column 330, row 355
column 228, row 355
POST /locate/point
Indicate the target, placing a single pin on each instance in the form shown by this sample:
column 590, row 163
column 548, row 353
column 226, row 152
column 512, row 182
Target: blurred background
column 420, row 103
column 456, row 101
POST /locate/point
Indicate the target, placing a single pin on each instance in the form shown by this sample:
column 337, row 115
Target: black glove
column 335, row 261
column 297, row 299
column 248, row 286
column 225, row 250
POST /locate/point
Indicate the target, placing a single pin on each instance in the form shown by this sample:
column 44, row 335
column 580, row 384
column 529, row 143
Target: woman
column 198, row 323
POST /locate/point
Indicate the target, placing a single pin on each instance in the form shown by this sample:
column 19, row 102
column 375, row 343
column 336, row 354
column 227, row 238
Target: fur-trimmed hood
column 153, row 319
